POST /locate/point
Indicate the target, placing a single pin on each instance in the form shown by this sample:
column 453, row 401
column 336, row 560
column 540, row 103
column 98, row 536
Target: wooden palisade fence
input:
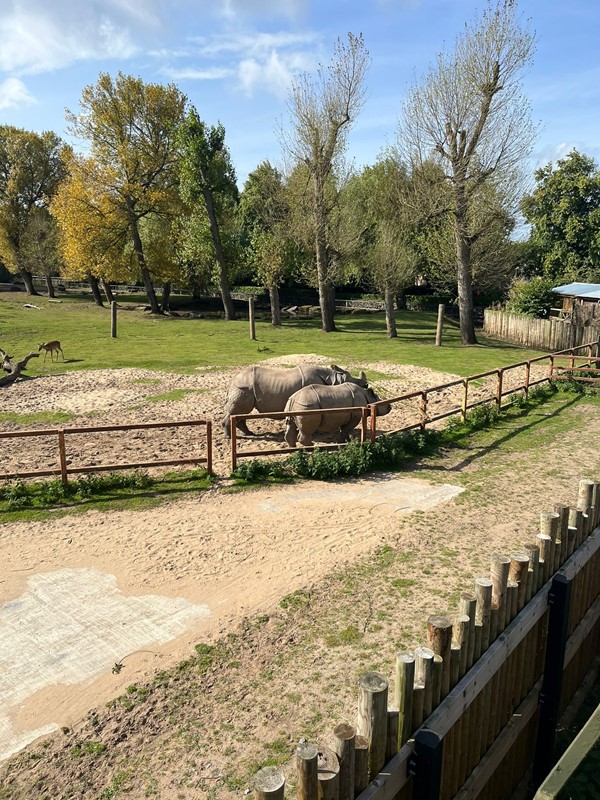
column 475, row 712
column 540, row 334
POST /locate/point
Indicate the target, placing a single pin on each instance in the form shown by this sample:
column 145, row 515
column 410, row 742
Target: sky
column 235, row 59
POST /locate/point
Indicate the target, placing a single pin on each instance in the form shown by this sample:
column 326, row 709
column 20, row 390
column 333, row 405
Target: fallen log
column 13, row 369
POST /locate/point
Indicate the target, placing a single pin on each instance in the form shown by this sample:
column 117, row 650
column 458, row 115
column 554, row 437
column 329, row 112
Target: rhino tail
column 291, row 431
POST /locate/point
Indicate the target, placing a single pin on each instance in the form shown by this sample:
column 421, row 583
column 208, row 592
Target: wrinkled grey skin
column 301, row 428
column 269, row 388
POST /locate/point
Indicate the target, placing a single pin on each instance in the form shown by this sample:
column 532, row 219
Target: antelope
column 51, row 347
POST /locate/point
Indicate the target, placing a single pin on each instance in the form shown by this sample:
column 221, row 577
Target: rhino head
column 371, row 397
column 341, row 375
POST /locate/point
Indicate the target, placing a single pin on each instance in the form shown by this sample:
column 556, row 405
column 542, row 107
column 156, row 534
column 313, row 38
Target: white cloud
column 274, row 72
column 14, row 94
column 289, row 8
column 41, row 35
column 253, row 43
column 193, row 74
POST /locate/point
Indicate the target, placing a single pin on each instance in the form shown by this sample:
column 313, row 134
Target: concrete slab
column 400, row 494
column 69, row 626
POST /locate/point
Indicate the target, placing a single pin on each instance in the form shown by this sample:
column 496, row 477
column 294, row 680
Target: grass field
column 181, row 344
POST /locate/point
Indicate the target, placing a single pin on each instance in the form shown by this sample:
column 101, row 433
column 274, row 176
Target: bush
column 532, row 298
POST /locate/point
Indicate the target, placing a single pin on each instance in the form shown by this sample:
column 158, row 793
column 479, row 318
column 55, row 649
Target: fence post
column 233, row 429
column 427, row 765
column 373, row 423
column 62, row 450
column 372, row 717
column 307, row 767
column 499, row 389
column 551, row 368
column 465, row 401
column 113, row 319
column 559, row 601
column 423, row 410
column 363, row 424
column 251, row 317
column 527, row 378
column 440, row 325
column 269, row 784
column 208, row 446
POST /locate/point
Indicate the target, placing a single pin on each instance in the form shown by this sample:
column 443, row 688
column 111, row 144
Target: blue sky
column 234, row 59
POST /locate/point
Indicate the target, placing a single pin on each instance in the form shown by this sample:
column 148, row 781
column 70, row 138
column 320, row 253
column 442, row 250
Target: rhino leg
column 291, row 431
column 347, row 429
column 239, row 401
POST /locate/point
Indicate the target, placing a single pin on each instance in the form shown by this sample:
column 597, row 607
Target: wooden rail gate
column 474, row 714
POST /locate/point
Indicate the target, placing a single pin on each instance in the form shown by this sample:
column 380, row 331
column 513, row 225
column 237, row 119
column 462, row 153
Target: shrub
column 532, row 298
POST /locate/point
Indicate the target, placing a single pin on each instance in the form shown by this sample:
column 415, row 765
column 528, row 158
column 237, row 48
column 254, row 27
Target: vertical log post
column 328, row 774
column 585, row 494
column 62, row 454
column 563, row 525
column 576, row 523
column 527, row 379
column 423, row 410
column 306, row 765
column 545, row 544
column 418, row 701
column 468, row 607
column 483, row 592
column 499, row 575
column 113, row 320
column 549, row 521
column 251, row 317
column 424, row 675
column 440, row 641
column 344, row 738
column 269, row 784
column 518, row 571
column 361, row 764
column 465, row 400
column 209, row 453
column 440, row 325
column 461, row 631
column 499, row 389
column 391, row 744
column 438, row 665
column 372, row 717
column 233, row 429
column 373, row 431
column 405, row 678
column 533, row 553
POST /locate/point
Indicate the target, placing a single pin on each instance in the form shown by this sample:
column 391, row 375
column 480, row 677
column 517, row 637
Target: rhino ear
column 363, row 376
column 335, row 367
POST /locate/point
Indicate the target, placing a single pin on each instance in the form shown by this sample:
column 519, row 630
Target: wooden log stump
column 468, row 606
column 328, row 774
column 372, row 717
column 439, row 629
column 533, row 553
column 405, row 678
column 269, row 784
column 483, row 593
column 391, row 743
column 462, row 629
column 424, row 675
column 499, row 575
column 518, row 571
column 361, row 764
column 344, row 744
column 307, row 765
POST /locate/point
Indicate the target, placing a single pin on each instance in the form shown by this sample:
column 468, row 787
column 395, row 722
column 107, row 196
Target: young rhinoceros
column 269, row 388
column 348, row 395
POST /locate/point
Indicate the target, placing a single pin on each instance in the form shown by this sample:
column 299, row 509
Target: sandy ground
column 237, row 555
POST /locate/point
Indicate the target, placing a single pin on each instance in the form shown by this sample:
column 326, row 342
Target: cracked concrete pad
column 69, row 626
column 400, row 494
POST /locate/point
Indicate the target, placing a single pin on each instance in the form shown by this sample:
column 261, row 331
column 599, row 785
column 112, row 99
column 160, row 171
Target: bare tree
column 323, row 108
column 470, row 115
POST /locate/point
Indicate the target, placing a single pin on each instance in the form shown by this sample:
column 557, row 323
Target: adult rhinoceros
column 269, row 388
column 310, row 398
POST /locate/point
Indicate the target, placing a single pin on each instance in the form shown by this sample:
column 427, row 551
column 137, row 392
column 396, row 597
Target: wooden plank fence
column 540, row 334
column 475, row 712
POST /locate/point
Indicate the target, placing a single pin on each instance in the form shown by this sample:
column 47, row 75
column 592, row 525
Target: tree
column 39, row 252
column 384, row 233
column 132, row 128
column 265, row 217
column 31, row 168
column 323, row 109
column 564, row 212
column 207, row 175
column 469, row 115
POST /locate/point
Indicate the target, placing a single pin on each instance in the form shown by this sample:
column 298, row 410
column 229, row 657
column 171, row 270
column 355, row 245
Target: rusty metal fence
column 64, row 469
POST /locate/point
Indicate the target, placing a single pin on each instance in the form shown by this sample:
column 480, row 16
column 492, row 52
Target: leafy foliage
column 532, row 297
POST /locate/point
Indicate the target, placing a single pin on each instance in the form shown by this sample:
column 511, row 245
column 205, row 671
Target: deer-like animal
column 51, row 347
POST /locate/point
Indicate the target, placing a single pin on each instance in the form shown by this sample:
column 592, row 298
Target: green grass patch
column 84, row 332
column 37, row 500
column 172, row 396
column 35, row 418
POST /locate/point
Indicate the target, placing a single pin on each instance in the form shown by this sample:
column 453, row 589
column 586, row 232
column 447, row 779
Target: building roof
column 589, row 291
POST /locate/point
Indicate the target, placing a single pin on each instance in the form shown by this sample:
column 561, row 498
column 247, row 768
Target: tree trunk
column 144, row 272
column 110, row 298
column 401, row 300
column 93, row 281
column 463, row 270
column 275, row 307
column 28, row 281
column 326, row 289
column 166, row 296
column 220, row 254
column 50, row 286
column 13, row 370
column 390, row 320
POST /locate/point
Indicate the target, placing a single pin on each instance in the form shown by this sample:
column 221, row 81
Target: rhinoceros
column 268, row 388
column 348, row 395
